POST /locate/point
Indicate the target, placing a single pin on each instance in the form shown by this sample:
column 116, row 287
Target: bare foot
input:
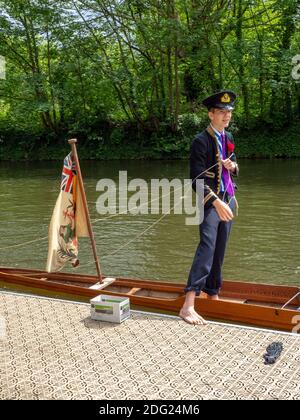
column 215, row 297
column 191, row 317
column 206, row 296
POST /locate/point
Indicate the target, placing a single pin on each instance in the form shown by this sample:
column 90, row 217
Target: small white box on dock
column 110, row 308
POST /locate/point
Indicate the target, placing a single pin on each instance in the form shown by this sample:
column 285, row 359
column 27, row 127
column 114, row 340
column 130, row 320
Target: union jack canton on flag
column 69, row 170
column 68, row 221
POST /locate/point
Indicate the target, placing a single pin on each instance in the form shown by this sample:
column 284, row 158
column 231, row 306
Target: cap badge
column 225, row 98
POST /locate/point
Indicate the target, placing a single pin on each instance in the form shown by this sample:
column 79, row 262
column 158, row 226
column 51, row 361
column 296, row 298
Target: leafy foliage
column 127, row 77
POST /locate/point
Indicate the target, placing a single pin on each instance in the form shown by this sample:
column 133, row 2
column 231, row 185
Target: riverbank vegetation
column 127, row 77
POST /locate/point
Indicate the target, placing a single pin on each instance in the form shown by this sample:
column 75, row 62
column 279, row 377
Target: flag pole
column 72, row 143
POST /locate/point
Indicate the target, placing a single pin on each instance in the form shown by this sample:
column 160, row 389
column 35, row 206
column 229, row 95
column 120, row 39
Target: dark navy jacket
column 205, row 154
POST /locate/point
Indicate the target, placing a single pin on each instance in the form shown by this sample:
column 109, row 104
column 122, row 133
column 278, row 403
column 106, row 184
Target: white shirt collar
column 216, row 131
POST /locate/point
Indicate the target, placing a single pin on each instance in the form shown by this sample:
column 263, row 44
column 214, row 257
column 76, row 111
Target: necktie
column 226, row 177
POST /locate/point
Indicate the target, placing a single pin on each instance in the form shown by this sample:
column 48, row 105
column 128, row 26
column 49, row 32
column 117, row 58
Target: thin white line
column 291, row 300
column 23, row 244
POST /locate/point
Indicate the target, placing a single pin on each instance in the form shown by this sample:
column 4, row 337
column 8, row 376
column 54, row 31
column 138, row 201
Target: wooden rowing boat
column 247, row 303
column 255, row 304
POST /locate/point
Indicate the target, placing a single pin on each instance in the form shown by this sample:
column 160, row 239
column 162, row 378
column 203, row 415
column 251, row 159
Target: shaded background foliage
column 127, row 76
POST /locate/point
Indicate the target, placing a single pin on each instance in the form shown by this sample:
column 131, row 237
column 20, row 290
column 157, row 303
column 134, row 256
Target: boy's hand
column 223, row 210
column 228, row 164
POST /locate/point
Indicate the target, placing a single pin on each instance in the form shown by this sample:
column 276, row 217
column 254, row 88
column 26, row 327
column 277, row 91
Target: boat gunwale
column 263, row 293
column 93, row 279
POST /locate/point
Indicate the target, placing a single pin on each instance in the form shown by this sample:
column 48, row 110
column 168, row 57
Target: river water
column 264, row 245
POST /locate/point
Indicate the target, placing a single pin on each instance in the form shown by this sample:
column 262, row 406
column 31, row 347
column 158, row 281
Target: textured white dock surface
column 51, row 349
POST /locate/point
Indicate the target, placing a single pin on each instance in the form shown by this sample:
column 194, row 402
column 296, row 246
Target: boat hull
column 246, row 303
